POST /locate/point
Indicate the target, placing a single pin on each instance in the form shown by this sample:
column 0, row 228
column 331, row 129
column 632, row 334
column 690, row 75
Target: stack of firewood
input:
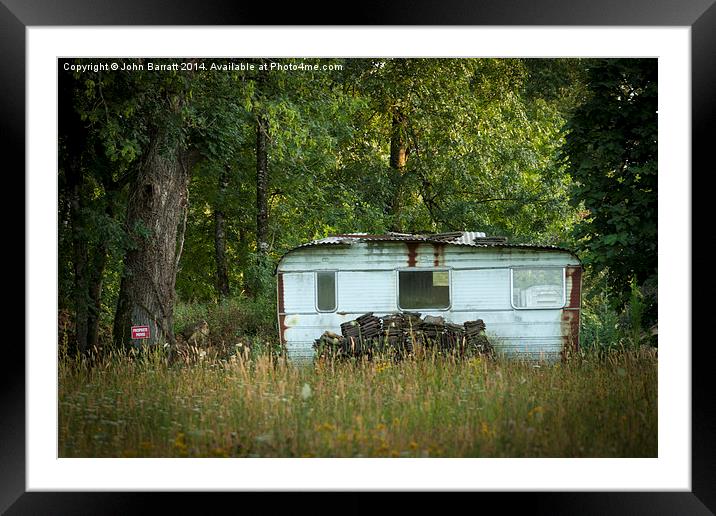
column 475, row 336
column 364, row 327
column 399, row 330
column 370, row 326
column 397, row 334
column 446, row 336
column 329, row 344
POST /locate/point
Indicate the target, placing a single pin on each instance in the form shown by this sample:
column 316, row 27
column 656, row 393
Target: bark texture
column 156, row 213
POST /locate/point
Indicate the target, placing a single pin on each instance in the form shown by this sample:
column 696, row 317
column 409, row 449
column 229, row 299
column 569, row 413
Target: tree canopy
column 232, row 164
column 611, row 152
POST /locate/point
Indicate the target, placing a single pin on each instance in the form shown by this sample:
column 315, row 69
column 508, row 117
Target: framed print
column 43, row 45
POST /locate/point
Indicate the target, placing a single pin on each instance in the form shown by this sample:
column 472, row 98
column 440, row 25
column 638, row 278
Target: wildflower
column 485, row 428
column 219, row 452
column 180, row 445
column 536, row 413
column 306, row 391
column 325, row 427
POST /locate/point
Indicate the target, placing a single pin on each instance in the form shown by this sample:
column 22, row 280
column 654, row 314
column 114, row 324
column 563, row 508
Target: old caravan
column 528, row 295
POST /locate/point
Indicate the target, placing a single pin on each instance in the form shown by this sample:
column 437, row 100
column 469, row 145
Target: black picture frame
column 699, row 15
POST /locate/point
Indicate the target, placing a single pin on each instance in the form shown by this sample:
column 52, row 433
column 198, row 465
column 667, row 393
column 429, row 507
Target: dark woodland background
column 179, row 190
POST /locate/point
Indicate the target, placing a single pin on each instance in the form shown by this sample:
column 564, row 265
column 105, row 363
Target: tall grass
column 258, row 405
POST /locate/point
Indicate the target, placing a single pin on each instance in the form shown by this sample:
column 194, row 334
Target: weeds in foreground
column 263, row 406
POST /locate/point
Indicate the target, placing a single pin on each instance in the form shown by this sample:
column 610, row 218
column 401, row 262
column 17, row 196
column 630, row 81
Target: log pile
column 365, row 327
column 398, row 331
column 398, row 334
column 446, row 336
column 475, row 336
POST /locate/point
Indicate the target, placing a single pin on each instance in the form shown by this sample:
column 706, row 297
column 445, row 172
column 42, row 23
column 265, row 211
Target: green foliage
column 608, row 327
column 636, row 311
column 481, row 150
column 538, row 150
column 486, row 143
column 611, row 153
column 232, row 320
column 601, row 330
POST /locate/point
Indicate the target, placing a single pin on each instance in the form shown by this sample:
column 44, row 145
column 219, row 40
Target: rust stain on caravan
column 570, row 313
column 570, row 331
column 575, row 297
column 439, row 254
column 281, row 308
column 282, row 328
column 412, row 253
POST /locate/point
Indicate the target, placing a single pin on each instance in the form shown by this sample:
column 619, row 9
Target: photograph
column 416, row 251
column 357, row 257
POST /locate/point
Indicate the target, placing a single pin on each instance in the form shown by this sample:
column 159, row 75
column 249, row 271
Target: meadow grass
column 437, row 406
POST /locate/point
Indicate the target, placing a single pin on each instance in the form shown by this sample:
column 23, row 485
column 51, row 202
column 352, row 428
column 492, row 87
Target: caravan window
column 424, row 289
column 538, row 287
column 326, row 291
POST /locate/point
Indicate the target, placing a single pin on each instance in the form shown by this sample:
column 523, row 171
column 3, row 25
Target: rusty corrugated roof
column 462, row 238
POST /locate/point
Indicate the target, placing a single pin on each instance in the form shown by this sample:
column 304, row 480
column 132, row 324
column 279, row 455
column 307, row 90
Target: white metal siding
column 366, row 282
column 366, row 291
column 299, row 292
column 487, row 289
column 528, row 333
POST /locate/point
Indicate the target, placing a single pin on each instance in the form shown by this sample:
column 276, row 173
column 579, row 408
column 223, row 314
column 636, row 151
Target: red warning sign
column 140, row 332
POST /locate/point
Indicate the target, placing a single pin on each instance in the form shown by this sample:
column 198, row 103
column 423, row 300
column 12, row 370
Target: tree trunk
column 99, row 262
column 245, row 258
column 79, row 253
column 155, row 215
column 222, row 275
column 261, row 185
column 256, row 286
column 398, row 160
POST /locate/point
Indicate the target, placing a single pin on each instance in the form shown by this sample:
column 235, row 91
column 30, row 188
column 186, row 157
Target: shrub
column 235, row 323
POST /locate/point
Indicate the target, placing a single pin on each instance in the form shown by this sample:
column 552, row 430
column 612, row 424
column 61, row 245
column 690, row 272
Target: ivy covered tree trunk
column 222, row 274
column 156, row 213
